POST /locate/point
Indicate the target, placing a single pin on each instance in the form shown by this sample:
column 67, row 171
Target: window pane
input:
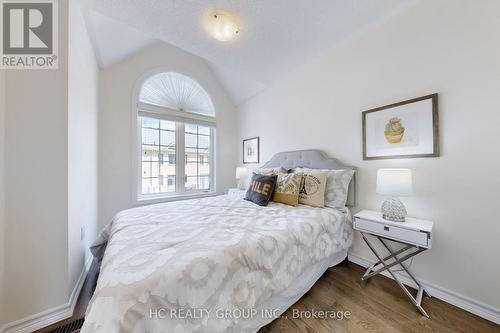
column 204, row 182
column 167, row 169
column 204, row 169
column 190, row 128
column 191, row 140
column 150, row 185
column 150, row 136
column 191, row 155
column 203, row 141
column 158, row 156
column 191, row 183
column 197, row 168
column 167, row 138
column 146, row 169
column 168, row 154
column 155, row 169
column 150, row 153
column 191, row 169
column 150, row 122
column 167, row 125
column 168, row 184
column 203, row 130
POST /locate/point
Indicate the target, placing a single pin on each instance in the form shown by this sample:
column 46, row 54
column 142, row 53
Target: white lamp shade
column 394, row 182
column 241, row 172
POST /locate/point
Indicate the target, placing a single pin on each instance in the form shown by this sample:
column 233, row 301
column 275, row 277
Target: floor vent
column 71, row 327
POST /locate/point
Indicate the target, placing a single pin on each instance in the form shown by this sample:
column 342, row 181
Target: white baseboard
column 50, row 316
column 468, row 304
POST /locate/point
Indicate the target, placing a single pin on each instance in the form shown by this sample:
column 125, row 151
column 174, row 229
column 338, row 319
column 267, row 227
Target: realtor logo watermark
column 29, row 36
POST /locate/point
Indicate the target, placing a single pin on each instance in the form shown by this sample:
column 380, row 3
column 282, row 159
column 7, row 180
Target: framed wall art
column 407, row 129
column 251, row 150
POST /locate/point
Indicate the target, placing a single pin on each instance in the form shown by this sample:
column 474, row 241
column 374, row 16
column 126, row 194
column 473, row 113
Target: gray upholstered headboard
column 314, row 159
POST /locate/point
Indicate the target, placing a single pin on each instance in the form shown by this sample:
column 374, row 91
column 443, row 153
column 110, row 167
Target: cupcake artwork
column 402, row 130
column 394, row 130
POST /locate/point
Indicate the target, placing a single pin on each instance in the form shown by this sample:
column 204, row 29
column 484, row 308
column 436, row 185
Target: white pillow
column 337, row 186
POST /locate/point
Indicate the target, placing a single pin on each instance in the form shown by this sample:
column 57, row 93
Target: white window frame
column 180, row 118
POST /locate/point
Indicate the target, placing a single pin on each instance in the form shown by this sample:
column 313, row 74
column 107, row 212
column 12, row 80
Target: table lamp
column 241, row 174
column 394, row 183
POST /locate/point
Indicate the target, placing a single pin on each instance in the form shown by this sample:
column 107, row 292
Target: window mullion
column 212, row 159
column 160, row 175
column 197, row 158
column 180, row 152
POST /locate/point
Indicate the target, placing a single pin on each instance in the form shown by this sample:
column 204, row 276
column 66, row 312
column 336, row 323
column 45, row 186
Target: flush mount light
column 222, row 25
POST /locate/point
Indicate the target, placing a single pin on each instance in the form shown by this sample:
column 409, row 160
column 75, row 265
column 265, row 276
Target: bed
column 218, row 264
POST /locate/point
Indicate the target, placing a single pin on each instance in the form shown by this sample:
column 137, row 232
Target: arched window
column 175, row 91
column 176, row 122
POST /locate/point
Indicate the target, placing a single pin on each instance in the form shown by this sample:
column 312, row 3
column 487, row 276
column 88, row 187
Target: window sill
column 174, row 197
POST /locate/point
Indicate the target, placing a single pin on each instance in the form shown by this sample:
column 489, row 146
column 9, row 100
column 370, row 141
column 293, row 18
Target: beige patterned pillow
column 312, row 190
column 337, row 185
column 288, row 188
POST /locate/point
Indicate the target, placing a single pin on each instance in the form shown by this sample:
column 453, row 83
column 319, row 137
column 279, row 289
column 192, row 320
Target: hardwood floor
column 377, row 305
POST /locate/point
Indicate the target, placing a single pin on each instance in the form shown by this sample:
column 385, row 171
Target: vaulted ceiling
column 275, row 37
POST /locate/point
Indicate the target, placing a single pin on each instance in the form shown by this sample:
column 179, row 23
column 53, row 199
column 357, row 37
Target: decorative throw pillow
column 261, row 189
column 265, row 171
column 337, row 186
column 288, row 188
column 312, row 190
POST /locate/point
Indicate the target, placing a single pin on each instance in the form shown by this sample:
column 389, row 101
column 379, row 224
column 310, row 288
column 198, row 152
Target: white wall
column 117, row 87
column 2, row 195
column 83, row 80
column 449, row 47
column 36, row 180
column 50, row 174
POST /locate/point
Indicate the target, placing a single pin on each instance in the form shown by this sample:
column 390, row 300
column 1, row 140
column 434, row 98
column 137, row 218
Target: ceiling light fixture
column 222, row 25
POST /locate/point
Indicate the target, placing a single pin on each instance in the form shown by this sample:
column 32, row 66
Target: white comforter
column 190, row 266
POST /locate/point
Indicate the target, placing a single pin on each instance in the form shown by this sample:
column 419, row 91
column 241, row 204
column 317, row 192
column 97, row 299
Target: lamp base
column 393, row 210
column 241, row 184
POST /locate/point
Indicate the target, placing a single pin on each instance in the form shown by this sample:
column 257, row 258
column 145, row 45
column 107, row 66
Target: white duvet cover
column 202, row 265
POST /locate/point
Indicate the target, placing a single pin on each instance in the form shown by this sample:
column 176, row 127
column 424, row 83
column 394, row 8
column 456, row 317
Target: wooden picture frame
column 251, row 150
column 408, row 129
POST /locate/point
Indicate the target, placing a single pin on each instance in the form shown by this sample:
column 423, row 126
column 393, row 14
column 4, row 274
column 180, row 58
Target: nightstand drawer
column 415, row 237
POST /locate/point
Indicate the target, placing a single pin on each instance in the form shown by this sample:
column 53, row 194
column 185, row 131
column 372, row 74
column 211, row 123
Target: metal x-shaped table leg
column 397, row 261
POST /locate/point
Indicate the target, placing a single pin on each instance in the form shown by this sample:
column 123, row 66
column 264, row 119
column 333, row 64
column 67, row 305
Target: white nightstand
column 415, row 234
column 235, row 191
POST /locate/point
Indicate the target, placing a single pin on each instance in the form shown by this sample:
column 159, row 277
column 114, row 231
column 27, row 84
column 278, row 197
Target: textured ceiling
column 114, row 41
column 275, row 37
